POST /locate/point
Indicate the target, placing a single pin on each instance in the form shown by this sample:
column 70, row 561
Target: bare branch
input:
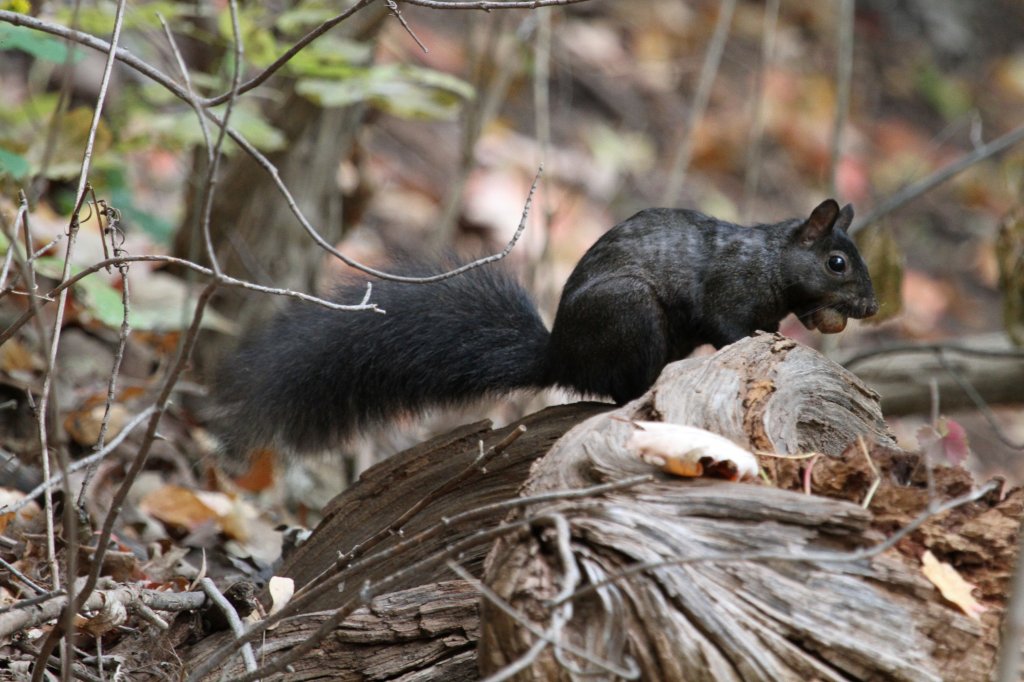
column 913, row 191
column 261, row 160
column 708, row 72
column 225, row 280
column 844, row 76
column 233, row 620
column 80, row 464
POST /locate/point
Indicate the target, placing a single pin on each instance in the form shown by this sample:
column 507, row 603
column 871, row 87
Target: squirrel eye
column 836, row 263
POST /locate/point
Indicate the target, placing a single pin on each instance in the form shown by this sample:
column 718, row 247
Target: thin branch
column 233, row 620
column 70, row 525
column 112, row 230
column 565, row 595
column 192, row 99
column 103, row 539
column 80, row 464
column 913, row 191
column 844, row 77
column 397, row 13
column 395, row 528
column 261, row 160
column 901, row 348
column 13, row 570
column 365, row 595
column 18, row 617
column 708, row 72
column 225, row 280
column 979, row 402
column 490, row 5
column 331, row 23
column 288, row 55
column 210, row 186
column 756, row 138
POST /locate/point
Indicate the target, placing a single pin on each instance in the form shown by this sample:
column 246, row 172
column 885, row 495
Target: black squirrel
column 648, row 292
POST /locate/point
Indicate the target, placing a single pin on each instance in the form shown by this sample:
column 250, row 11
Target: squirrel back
column 648, row 292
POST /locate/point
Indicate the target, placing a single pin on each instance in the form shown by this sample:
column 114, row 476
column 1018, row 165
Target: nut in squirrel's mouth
column 825, row 320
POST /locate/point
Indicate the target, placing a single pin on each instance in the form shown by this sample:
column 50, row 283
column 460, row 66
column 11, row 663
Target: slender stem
column 914, row 190
column 753, row 171
column 708, row 72
column 844, row 77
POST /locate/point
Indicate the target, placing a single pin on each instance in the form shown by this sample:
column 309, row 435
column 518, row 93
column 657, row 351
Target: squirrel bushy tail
column 312, row 377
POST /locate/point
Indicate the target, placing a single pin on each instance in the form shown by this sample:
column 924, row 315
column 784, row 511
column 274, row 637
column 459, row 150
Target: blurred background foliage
column 390, row 148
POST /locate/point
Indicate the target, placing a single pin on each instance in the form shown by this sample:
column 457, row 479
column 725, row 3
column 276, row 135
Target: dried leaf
column 281, row 591
column 15, row 356
column 884, row 259
column 106, row 619
column 84, row 425
column 690, row 452
column 178, row 506
column 261, row 473
column 1010, row 253
column 9, row 496
column 952, row 585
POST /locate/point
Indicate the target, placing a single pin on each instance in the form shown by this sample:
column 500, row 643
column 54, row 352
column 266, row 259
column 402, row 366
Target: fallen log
column 661, row 578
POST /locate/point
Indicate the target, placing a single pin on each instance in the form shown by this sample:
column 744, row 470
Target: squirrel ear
column 822, row 219
column 845, row 218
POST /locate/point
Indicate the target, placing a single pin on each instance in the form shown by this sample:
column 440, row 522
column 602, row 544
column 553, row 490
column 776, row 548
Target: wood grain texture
column 717, row 615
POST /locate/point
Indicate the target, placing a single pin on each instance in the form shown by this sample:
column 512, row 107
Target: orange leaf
column 178, row 506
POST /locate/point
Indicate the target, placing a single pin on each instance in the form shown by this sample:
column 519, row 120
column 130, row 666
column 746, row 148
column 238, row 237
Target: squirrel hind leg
column 609, row 339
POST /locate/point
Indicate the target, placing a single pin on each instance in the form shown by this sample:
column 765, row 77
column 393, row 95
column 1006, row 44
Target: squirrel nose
column 871, row 307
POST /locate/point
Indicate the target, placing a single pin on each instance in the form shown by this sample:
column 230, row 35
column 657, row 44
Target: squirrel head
column 827, row 278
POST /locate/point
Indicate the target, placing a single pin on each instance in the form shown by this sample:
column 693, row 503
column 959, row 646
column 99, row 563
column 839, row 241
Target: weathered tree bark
column 721, row 613
column 372, row 505
column 737, row 593
column 425, row 633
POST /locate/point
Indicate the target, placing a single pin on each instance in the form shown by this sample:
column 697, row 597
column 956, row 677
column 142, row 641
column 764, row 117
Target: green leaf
column 98, row 18
column 179, row 129
column 950, row 96
column 36, row 43
column 330, row 57
column 156, row 304
column 261, row 48
column 406, row 91
column 15, row 165
column 102, row 301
